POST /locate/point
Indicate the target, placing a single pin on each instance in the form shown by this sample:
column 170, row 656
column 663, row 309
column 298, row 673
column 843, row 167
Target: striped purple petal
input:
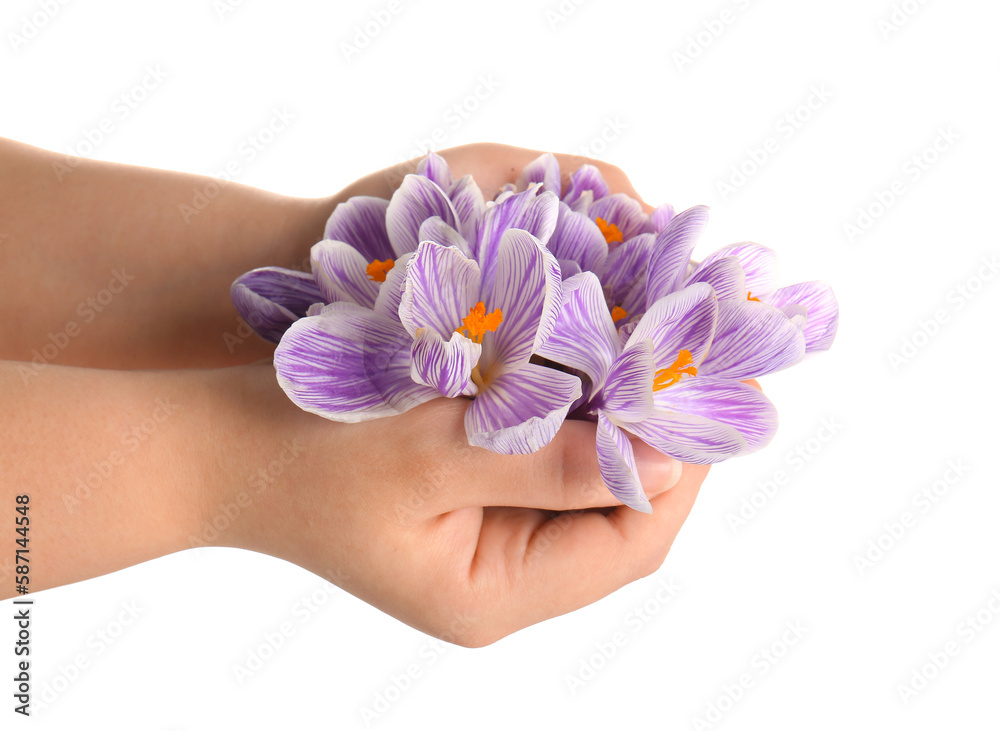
column 469, row 206
column 661, row 217
column 671, row 252
column 578, row 238
column 569, row 268
column 360, row 222
column 349, row 365
column 586, row 178
column 625, row 269
column 823, row 313
column 689, row 437
column 270, row 299
column 543, row 169
column 583, row 336
column 520, row 412
column 528, row 291
column 390, row 292
column 417, row 199
column 531, row 211
column 436, row 230
column 582, row 203
column 735, row 404
column 752, row 339
column 760, row 266
column 435, row 168
column 797, row 314
column 725, row 275
column 340, row 271
column 628, row 392
column 617, row 463
column 444, row 365
column 621, row 210
column 441, row 285
column 684, row 320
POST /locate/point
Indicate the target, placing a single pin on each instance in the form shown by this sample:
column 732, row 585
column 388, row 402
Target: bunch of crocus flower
column 540, row 305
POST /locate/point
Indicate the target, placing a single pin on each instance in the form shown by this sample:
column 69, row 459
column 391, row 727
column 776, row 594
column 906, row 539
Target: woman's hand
column 457, row 541
column 119, row 266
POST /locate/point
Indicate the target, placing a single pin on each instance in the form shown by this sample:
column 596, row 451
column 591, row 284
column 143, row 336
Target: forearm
column 125, row 267
column 119, row 467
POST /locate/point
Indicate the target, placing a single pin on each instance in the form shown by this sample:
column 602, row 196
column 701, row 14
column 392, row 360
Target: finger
column 449, row 473
column 494, row 165
column 534, row 569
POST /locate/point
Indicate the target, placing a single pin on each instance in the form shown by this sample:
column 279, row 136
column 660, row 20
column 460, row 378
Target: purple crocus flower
column 657, row 383
column 270, row 299
column 448, row 326
column 619, row 217
column 658, row 248
column 365, row 236
column 739, row 273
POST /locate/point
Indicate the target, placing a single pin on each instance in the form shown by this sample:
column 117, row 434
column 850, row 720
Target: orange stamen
column 612, row 234
column 478, row 323
column 751, row 298
column 617, row 313
column 378, row 269
column 683, row 366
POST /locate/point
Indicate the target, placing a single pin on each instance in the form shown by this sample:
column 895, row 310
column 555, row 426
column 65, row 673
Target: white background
column 605, row 79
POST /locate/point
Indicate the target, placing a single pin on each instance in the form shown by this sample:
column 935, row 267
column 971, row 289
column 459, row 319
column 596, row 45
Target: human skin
column 452, row 539
column 68, row 224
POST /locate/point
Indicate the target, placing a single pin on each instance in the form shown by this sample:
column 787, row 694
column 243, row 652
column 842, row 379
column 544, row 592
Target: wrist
column 249, row 456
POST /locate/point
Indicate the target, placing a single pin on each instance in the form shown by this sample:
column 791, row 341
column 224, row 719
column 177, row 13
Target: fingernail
column 657, row 471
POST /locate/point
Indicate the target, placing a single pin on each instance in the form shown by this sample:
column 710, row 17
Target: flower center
column 479, row 322
column 612, row 234
column 618, row 313
column 683, row 366
column 751, row 298
column 378, row 269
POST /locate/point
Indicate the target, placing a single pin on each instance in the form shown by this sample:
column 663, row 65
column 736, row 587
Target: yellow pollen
column 617, row 313
column 683, row 366
column 751, row 298
column 478, row 323
column 378, row 269
column 611, row 232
